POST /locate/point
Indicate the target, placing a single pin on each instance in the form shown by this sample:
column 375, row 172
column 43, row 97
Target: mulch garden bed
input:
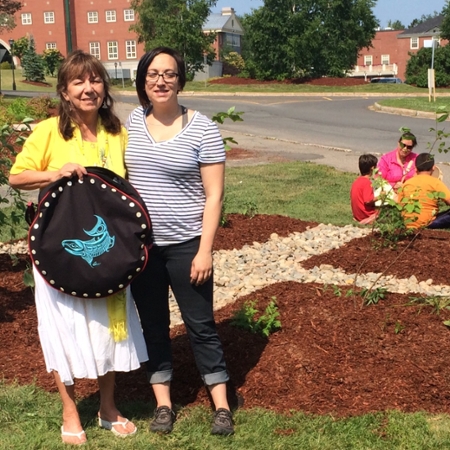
column 331, row 356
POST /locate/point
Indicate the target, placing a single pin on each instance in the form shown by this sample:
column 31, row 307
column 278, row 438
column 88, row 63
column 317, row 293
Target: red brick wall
column 387, row 42
column 104, row 31
column 82, row 31
column 43, row 33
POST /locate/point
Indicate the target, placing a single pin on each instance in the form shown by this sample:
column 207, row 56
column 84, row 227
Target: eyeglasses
column 168, row 77
column 406, row 147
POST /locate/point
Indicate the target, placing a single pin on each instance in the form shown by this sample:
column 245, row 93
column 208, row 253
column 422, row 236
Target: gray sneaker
column 163, row 420
column 223, row 422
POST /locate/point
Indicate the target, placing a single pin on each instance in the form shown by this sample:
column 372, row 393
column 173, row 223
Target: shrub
column 266, row 324
column 18, row 109
column 22, row 108
column 11, row 141
column 38, row 107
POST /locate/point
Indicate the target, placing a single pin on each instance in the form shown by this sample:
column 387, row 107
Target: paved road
column 331, row 130
column 325, row 130
column 336, row 122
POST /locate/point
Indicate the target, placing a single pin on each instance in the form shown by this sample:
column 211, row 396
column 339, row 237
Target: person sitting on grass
column 361, row 193
column 426, row 191
column 398, row 166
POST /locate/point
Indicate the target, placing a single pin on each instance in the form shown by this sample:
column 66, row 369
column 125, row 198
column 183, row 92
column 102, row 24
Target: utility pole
column 2, row 54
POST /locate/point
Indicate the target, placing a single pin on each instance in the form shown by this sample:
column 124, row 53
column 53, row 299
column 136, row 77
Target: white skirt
column 75, row 336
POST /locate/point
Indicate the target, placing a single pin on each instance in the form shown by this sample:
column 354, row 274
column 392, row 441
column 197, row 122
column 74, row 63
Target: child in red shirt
column 361, row 194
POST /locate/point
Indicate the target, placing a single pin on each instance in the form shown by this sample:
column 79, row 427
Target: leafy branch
column 231, row 114
column 12, row 138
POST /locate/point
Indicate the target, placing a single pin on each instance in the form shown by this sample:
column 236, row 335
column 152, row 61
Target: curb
column 404, row 112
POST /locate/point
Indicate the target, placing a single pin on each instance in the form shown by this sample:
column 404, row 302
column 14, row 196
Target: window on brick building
column 368, row 60
column 233, row 40
column 113, row 50
column 49, row 17
column 94, row 49
column 92, row 16
column 128, row 15
column 26, row 19
column 130, row 47
column 385, row 59
column 414, row 42
column 111, row 15
column 50, row 45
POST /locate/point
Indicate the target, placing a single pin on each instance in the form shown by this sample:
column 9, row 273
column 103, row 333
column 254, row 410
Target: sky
column 404, row 10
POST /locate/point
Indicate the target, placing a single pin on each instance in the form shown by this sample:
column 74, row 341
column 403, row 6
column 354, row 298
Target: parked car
column 386, row 80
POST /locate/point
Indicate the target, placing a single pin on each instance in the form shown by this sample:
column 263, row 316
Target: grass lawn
column 30, row 419
column 417, row 103
column 306, row 191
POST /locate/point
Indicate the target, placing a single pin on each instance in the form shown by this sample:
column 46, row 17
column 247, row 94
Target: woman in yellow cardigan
column 75, row 333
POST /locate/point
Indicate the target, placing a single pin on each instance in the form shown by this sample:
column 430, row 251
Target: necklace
column 94, row 153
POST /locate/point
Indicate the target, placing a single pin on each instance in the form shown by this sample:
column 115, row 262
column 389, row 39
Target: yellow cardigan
column 46, row 149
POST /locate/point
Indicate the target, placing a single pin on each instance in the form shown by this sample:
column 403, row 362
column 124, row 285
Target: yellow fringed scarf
column 117, row 313
column 98, row 155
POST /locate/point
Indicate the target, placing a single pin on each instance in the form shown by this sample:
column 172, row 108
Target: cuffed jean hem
column 164, row 376
column 215, row 378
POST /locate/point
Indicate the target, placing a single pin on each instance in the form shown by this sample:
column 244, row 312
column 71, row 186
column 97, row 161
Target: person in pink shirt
column 398, row 165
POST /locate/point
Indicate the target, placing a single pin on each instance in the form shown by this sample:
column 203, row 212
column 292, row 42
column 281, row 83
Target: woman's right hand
column 35, row 179
column 69, row 170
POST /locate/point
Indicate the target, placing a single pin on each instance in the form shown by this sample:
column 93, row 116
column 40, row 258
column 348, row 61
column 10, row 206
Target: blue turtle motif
column 100, row 243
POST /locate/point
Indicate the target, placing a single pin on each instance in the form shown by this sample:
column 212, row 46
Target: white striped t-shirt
column 167, row 174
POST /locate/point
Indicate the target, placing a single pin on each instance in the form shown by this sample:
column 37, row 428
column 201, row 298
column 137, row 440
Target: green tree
column 52, row 59
column 20, row 46
column 311, row 37
column 7, row 10
column 32, row 63
column 419, row 63
column 445, row 24
column 395, row 25
column 177, row 24
column 267, row 49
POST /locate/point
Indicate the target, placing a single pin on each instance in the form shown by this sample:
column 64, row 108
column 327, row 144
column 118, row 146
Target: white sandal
column 110, row 426
column 77, row 435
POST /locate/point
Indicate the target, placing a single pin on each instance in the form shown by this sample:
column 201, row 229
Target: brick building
column 100, row 27
column 228, row 30
column 390, row 50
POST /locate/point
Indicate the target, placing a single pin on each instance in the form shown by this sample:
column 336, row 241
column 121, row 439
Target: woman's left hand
column 201, row 268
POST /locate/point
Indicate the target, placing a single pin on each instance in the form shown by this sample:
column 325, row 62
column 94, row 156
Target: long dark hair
column 78, row 65
column 146, row 60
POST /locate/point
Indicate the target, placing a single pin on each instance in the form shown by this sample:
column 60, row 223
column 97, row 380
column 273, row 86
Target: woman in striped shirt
column 176, row 159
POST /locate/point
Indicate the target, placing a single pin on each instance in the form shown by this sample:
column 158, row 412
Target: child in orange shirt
column 427, row 190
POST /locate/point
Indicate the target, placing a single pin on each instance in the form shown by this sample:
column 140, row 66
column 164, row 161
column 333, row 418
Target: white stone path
column 241, row 272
